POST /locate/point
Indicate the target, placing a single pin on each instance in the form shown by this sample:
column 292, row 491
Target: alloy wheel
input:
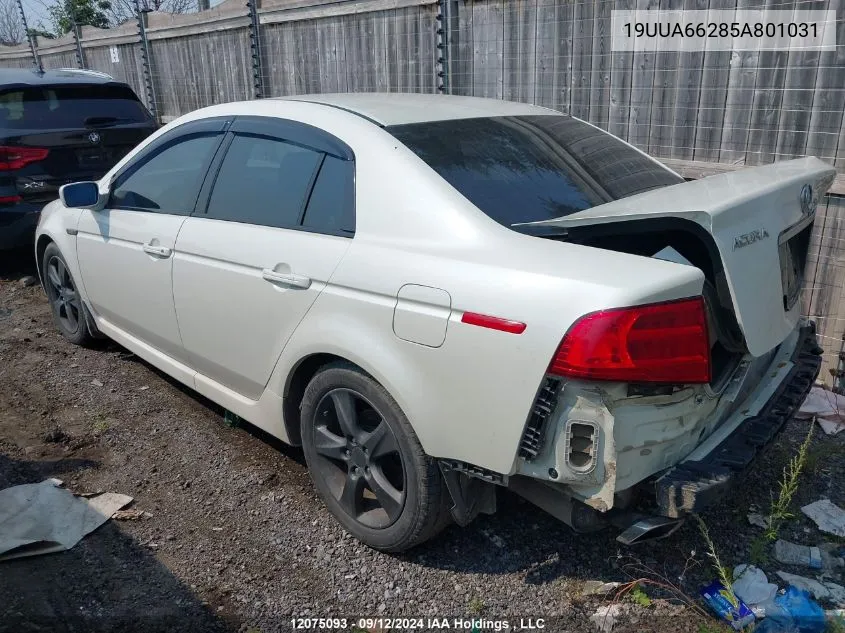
column 63, row 295
column 359, row 458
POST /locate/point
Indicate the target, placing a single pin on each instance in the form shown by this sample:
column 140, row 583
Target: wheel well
column 295, row 390
column 43, row 242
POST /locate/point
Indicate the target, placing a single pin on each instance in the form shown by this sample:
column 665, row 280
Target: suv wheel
column 366, row 462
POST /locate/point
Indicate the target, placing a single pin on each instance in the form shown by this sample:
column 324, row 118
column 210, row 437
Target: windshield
column 530, row 168
column 69, row 106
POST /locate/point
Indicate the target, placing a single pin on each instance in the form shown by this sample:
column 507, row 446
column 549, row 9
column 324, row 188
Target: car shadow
column 17, row 263
column 291, row 452
column 107, row 582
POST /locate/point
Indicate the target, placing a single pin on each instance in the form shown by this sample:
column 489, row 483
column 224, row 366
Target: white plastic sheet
column 827, row 407
column 43, row 518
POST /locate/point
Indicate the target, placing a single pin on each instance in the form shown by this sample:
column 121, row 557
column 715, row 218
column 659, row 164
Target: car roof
column 19, row 76
column 400, row 108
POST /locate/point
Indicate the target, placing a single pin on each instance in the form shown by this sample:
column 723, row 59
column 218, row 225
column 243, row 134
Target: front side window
column 530, row 168
column 169, row 181
column 263, row 181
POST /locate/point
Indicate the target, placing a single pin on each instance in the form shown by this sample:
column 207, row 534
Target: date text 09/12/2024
column 470, row 625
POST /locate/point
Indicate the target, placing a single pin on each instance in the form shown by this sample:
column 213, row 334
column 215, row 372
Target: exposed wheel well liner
column 298, row 380
column 43, row 242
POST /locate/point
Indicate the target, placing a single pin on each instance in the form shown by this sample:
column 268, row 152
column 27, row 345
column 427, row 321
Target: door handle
column 289, row 279
column 157, row 251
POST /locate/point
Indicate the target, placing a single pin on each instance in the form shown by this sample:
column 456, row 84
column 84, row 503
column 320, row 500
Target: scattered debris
column 793, row 611
column 794, row 554
column 497, row 540
column 231, row 419
column 598, row 587
column 87, row 495
column 727, row 606
column 753, row 588
column 56, row 436
column 130, row 515
column 755, row 518
column 42, row 518
column 826, row 407
column 828, row 516
column 606, row 615
column 28, row 281
column 96, row 383
column 144, row 388
column 820, row 590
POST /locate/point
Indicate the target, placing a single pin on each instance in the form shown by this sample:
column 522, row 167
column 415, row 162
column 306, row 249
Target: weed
column 100, row 427
column 759, row 551
column 835, row 624
column 714, row 627
column 819, row 456
column 476, row 606
column 723, row 573
column 780, row 509
column 639, row 596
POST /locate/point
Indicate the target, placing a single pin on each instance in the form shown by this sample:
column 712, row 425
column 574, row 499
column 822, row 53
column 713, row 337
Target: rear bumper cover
column 691, row 485
column 17, row 225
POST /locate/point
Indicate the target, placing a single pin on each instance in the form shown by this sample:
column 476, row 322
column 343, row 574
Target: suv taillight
column 660, row 342
column 16, row 157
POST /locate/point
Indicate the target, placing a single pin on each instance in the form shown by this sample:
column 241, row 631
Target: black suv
column 59, row 126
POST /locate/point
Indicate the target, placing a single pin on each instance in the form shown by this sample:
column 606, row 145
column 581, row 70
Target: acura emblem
column 808, row 203
column 94, row 137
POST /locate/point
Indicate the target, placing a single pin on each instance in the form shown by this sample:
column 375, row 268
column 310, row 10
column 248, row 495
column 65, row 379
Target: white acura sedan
column 439, row 296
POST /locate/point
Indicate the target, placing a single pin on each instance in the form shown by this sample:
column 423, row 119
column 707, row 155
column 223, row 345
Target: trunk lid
column 760, row 219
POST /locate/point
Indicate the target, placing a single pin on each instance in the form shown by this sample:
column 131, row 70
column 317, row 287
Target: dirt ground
column 238, row 540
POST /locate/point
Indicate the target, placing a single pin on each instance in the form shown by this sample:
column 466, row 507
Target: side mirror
column 80, row 195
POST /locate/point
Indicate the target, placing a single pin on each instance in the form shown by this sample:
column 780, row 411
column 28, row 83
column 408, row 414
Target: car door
column 272, row 224
column 125, row 250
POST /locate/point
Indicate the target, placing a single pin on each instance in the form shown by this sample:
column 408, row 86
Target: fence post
column 255, row 47
column 145, row 59
column 31, row 39
column 80, row 60
column 442, row 46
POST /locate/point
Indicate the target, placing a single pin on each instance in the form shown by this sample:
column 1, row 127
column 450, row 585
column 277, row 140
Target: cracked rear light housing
column 655, row 343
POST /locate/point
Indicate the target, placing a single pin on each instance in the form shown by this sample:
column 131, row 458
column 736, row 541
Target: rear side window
column 531, row 168
column 70, row 106
column 169, row 180
column 331, row 207
column 263, row 181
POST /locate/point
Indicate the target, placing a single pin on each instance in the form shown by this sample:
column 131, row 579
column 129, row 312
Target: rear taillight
column 10, row 199
column 16, row 157
column 660, row 342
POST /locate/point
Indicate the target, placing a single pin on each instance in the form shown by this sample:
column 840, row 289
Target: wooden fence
column 700, row 112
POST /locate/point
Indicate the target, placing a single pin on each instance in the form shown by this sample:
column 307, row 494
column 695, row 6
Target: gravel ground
column 238, row 540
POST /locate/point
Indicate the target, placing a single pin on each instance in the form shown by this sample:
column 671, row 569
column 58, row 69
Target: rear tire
column 366, row 461
column 69, row 312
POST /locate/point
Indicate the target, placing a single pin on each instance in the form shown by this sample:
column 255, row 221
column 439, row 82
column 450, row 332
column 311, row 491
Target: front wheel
column 366, row 462
column 69, row 313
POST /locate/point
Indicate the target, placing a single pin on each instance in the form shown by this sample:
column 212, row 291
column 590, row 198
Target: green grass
column 639, row 596
column 476, row 606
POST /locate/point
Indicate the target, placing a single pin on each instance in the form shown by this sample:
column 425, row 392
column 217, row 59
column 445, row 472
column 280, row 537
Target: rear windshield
column 69, row 106
column 529, row 168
